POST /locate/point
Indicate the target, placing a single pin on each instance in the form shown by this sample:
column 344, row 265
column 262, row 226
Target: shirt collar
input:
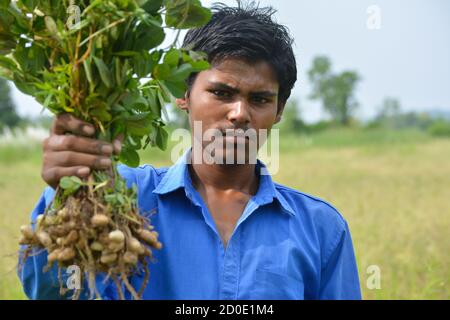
column 178, row 176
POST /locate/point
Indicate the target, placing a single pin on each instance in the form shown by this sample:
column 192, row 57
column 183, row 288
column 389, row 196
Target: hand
column 74, row 154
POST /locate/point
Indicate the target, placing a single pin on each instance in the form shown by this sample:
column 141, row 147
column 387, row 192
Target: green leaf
column 181, row 73
column 51, row 26
column 105, row 73
column 6, row 74
column 161, row 138
column 21, row 22
column 117, row 71
column 153, row 102
column 201, row 65
column 139, row 125
column 88, row 71
column 186, row 14
column 143, row 64
column 8, row 63
column 135, row 142
column 120, row 198
column 29, row 4
column 24, row 86
column 7, row 43
column 101, row 113
column 111, row 198
column 47, row 100
column 31, row 58
column 129, row 157
column 125, row 53
column 177, row 89
column 172, row 57
column 4, row 3
column 70, row 184
column 147, row 37
column 161, row 72
column 164, row 94
column 152, row 6
column 135, row 101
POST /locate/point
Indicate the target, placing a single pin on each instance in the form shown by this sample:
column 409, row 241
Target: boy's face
column 233, row 94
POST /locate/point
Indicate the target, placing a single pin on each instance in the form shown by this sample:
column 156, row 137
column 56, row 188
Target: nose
column 239, row 113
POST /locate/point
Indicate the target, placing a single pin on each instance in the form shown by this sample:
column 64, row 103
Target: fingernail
column 83, row 171
column 106, row 162
column 107, row 149
column 88, row 130
column 117, row 146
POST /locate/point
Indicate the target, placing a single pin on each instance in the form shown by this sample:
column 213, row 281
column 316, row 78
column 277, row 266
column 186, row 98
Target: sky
column 400, row 48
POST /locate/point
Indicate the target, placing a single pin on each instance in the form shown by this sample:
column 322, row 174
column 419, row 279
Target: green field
column 393, row 188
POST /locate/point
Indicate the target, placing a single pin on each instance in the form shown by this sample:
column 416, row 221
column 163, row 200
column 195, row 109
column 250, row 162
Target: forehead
column 243, row 75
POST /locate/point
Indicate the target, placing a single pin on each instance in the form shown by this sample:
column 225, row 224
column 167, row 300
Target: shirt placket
column 232, row 261
column 231, row 268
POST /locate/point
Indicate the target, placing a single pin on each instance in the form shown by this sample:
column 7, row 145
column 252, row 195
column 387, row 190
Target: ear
column 279, row 112
column 182, row 103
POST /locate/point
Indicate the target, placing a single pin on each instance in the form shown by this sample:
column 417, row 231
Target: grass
column 392, row 188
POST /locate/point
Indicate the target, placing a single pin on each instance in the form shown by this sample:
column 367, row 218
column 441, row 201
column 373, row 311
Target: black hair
column 247, row 32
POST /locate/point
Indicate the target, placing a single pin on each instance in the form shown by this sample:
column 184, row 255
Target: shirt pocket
column 275, row 285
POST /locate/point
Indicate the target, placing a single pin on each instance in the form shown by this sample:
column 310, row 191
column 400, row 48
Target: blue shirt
column 286, row 245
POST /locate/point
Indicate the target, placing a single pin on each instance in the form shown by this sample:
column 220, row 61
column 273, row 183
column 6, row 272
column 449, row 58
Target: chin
column 233, row 156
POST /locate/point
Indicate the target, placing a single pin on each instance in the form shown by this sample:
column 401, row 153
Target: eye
column 221, row 94
column 260, row 100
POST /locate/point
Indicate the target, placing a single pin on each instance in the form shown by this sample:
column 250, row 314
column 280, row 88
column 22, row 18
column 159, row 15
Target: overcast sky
column 408, row 57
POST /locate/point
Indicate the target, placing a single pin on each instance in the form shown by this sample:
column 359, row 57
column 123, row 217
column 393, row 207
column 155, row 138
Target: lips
column 234, row 133
column 236, row 137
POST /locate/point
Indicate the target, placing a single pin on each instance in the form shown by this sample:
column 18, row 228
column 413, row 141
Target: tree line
column 335, row 91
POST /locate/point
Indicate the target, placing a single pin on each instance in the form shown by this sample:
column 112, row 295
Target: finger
column 72, row 159
column 67, row 123
column 55, row 174
column 77, row 144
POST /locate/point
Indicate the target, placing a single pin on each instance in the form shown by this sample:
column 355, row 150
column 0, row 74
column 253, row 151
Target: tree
column 336, row 91
column 390, row 108
column 8, row 115
column 389, row 113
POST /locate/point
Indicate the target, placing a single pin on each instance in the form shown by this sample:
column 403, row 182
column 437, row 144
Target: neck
column 224, row 177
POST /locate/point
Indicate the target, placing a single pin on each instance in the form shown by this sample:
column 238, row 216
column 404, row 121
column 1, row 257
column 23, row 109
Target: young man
column 229, row 232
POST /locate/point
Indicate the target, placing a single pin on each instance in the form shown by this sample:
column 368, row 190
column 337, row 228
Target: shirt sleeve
column 44, row 285
column 339, row 275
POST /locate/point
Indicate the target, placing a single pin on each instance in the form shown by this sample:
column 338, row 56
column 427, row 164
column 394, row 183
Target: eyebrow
column 223, row 86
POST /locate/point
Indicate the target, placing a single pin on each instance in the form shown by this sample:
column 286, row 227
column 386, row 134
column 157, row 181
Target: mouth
column 236, row 139
column 235, row 136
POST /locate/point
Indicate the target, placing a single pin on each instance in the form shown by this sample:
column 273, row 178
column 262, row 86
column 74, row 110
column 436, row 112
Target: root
column 146, row 278
column 115, row 242
column 119, row 288
column 130, row 287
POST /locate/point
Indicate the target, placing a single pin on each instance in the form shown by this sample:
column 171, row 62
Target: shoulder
column 144, row 176
column 316, row 216
column 311, row 206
